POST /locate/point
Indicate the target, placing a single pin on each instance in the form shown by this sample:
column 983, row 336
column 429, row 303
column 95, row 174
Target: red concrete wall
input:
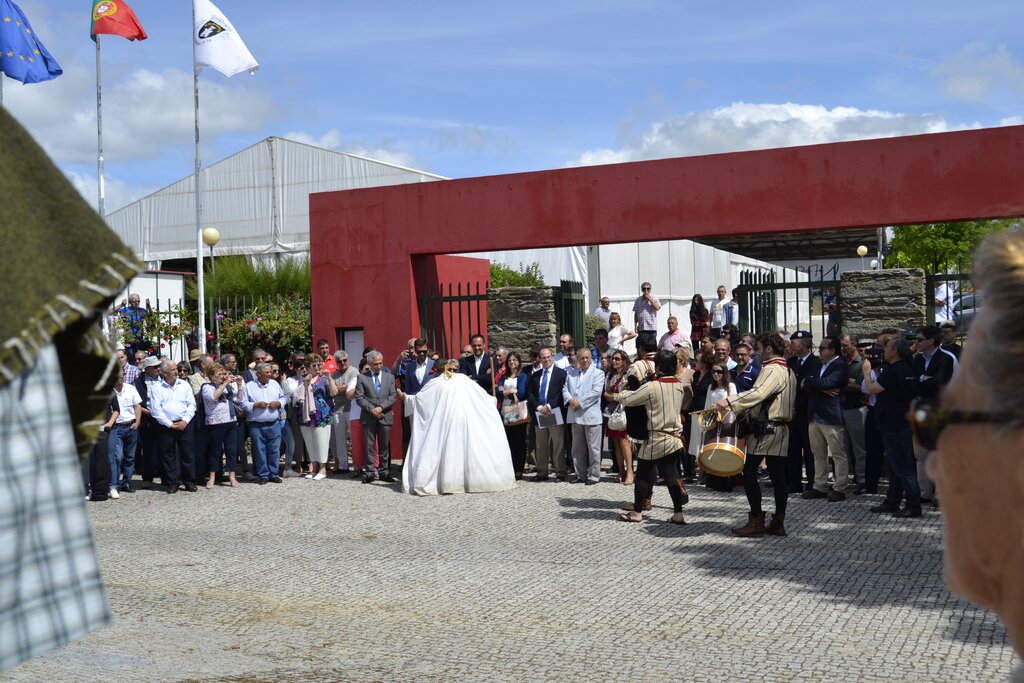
column 363, row 240
column 456, row 322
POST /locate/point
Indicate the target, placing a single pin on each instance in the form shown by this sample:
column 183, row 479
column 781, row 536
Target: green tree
column 526, row 276
column 938, row 247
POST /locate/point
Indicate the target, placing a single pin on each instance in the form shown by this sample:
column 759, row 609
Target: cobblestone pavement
column 337, row 581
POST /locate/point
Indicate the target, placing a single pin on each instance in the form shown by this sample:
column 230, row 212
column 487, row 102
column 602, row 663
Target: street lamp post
column 862, row 251
column 211, row 236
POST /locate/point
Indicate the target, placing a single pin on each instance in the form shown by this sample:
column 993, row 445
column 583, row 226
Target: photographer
column 771, row 399
column 895, row 388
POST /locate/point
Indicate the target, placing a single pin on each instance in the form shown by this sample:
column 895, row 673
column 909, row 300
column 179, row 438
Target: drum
column 721, row 453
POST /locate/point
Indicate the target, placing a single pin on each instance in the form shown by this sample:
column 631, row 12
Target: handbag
column 514, row 413
column 617, row 419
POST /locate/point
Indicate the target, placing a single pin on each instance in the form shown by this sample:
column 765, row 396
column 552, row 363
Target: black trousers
column 406, row 434
column 517, row 444
column 800, row 458
column 177, row 451
column 777, row 467
column 647, row 472
column 873, row 452
column 147, row 457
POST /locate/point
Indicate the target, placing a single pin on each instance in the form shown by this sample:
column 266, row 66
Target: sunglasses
column 717, row 372
column 928, row 420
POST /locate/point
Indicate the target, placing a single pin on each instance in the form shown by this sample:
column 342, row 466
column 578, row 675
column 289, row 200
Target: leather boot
column 754, row 527
column 775, row 527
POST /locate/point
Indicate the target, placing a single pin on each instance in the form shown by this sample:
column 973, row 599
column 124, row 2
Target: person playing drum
column 769, row 404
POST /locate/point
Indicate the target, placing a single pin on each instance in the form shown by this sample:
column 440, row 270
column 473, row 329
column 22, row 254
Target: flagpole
column 99, row 134
column 199, row 198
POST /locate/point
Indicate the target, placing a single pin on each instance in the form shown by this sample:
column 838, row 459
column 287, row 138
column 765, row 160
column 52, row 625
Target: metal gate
column 766, row 304
column 570, row 310
column 964, row 300
column 450, row 314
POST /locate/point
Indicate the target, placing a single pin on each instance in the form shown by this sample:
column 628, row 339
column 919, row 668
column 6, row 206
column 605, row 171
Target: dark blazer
column 143, row 389
column 810, row 368
column 367, row 398
column 467, row 366
column 938, row 371
column 821, row 407
column 556, row 380
column 407, row 371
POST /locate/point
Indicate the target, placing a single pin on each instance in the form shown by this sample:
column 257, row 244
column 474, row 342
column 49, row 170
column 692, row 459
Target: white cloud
column 979, row 69
column 144, row 112
column 744, row 126
column 117, row 193
column 381, row 150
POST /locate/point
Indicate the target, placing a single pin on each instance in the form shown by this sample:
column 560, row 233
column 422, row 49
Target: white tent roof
column 257, row 198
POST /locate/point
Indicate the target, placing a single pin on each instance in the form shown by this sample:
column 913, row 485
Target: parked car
column 964, row 309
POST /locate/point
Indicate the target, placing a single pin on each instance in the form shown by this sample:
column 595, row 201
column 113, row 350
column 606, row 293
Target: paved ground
column 337, row 581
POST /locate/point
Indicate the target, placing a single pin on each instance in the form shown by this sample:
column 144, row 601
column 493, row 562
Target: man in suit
column 545, row 400
column 414, row 370
column 825, row 426
column 804, row 364
column 376, row 395
column 933, row 369
column 478, row 365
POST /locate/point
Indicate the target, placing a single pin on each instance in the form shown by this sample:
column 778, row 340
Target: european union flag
column 22, row 56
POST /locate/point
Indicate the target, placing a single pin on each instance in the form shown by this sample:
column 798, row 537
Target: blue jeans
column 289, row 443
column 121, row 443
column 899, row 452
column 221, row 441
column 266, row 447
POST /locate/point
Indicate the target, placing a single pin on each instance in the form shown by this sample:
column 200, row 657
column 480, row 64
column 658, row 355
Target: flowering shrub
column 279, row 327
column 159, row 328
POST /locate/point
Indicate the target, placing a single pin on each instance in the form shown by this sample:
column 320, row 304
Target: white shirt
column 615, row 336
column 170, row 404
column 421, row 372
column 127, row 399
column 944, row 293
column 603, row 314
column 561, row 361
column 718, row 312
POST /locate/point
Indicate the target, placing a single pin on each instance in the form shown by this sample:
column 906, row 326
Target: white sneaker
column 320, row 475
column 308, row 476
column 113, row 494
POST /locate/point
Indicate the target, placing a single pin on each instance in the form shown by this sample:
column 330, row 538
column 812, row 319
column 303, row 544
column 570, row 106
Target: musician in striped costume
column 770, row 402
column 665, row 398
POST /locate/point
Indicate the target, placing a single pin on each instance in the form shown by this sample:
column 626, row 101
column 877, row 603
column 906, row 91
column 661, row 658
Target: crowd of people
column 827, row 420
column 817, row 425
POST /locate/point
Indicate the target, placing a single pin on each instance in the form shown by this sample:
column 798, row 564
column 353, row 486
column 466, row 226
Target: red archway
column 364, row 242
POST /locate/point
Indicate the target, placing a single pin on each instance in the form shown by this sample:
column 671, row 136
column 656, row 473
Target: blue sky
column 465, row 89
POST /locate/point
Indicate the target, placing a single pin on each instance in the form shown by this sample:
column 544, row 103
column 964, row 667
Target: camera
column 872, row 352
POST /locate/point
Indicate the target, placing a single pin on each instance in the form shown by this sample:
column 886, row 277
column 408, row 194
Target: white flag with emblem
column 216, row 44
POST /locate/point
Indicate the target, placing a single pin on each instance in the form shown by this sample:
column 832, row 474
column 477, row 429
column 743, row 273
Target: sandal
column 681, row 521
column 628, row 517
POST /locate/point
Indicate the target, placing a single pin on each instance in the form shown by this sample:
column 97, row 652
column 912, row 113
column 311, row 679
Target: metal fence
column 451, row 313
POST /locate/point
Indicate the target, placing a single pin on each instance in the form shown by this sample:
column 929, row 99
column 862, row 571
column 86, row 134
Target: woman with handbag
column 621, row 444
column 514, row 415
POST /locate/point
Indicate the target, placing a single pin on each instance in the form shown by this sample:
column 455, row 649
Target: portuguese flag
column 116, row 18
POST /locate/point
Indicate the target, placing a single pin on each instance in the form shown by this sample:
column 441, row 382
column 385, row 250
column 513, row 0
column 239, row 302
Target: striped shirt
column 664, row 399
column 775, row 380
